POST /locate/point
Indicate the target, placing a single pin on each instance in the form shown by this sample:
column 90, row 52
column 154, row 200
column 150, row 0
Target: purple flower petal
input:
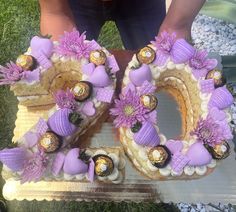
column 128, row 110
column 35, row 167
column 32, row 76
column 65, row 99
column 182, row 51
column 74, row 44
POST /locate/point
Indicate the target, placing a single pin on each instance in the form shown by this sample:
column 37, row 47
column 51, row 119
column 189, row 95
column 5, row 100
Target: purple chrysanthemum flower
column 65, row 99
column 165, row 42
column 10, row 74
column 35, row 167
column 74, row 44
column 128, row 110
column 208, row 131
column 200, row 64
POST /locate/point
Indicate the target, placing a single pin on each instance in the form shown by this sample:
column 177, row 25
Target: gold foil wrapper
column 82, row 90
column 149, row 101
column 146, row 55
column 217, row 76
column 159, row 156
column 49, row 142
column 103, row 165
column 98, row 57
column 27, row 62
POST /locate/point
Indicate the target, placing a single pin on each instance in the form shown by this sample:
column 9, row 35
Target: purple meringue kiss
column 221, row 98
column 14, row 158
column 60, row 124
column 138, row 76
column 99, row 77
column 73, row 165
column 198, row 155
column 147, row 135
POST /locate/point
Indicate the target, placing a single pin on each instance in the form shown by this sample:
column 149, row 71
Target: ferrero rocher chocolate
column 98, row 57
column 27, row 62
column 103, row 165
column 217, row 76
column 50, row 142
column 146, row 55
column 136, row 127
column 159, row 156
column 82, row 90
column 149, row 101
column 219, row 151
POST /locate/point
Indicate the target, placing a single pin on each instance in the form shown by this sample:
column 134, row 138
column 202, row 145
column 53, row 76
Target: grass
column 19, row 21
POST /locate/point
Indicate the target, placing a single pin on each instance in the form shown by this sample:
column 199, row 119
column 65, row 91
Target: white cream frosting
column 189, row 170
column 201, row 170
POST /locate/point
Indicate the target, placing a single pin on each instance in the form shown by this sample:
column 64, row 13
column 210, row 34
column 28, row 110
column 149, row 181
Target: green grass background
column 19, row 21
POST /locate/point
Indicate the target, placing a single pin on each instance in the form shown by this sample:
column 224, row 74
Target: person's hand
column 55, row 24
column 181, row 31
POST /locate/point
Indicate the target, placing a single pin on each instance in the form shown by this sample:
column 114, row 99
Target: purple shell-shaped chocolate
column 73, row 165
column 14, row 158
column 99, row 77
column 139, row 75
column 221, row 98
column 60, row 124
column 147, row 135
column 198, row 155
column 57, row 163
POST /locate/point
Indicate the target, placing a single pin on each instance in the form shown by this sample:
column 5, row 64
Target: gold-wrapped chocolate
column 98, row 57
column 149, row 101
column 159, row 156
column 27, row 62
column 104, row 165
column 217, row 76
column 82, row 90
column 49, row 142
column 146, row 55
column 219, row 151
